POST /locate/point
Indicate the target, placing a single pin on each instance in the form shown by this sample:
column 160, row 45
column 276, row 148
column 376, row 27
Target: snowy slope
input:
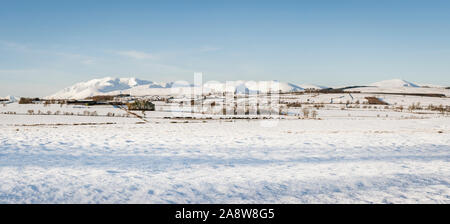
column 10, row 98
column 133, row 86
column 137, row 87
column 409, row 90
column 312, row 86
column 298, row 161
column 394, row 83
column 241, row 86
column 400, row 86
column 103, row 87
column 428, row 85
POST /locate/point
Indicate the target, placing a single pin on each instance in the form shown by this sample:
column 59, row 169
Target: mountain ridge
column 139, row 87
column 134, row 86
column 394, row 83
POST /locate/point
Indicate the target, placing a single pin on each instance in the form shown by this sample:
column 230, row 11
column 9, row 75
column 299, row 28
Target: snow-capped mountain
column 394, row 83
column 104, row 86
column 399, row 86
column 251, row 86
column 137, row 87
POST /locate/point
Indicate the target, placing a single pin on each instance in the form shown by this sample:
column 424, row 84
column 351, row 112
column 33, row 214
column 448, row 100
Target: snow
column 312, row 86
column 401, row 86
column 137, row 87
column 251, row 86
column 352, row 153
column 362, row 158
column 10, row 99
column 420, row 90
column 103, row 86
column 428, row 85
column 394, row 83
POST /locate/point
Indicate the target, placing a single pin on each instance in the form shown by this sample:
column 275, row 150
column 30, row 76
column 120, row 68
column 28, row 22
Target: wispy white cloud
column 25, row 49
column 14, row 46
column 136, row 54
column 88, row 62
column 31, row 72
column 210, row 48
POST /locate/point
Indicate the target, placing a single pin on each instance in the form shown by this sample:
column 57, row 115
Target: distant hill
column 312, row 86
column 138, row 87
column 104, row 86
column 9, row 99
column 133, row 86
column 394, row 83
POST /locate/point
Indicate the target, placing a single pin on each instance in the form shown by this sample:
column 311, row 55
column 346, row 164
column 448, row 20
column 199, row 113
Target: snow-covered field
column 349, row 156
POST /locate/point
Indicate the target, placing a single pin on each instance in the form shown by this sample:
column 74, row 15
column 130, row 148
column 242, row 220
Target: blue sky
column 48, row 45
